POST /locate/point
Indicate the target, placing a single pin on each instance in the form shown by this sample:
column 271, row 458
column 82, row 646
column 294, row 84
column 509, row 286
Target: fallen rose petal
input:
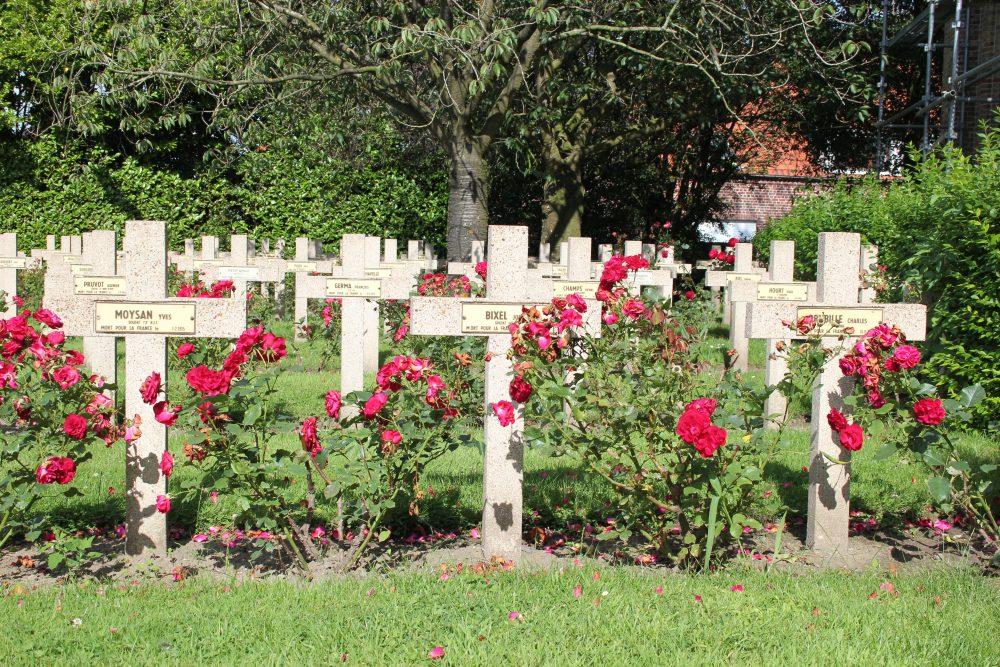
column 436, row 653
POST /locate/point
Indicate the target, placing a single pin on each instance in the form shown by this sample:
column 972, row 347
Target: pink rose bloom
column 906, row 356
column 374, row 404
column 167, row 464
column 504, row 410
column 75, row 426
column 706, row 404
column 929, row 411
column 165, row 413
column 66, row 376
column 636, row 262
column 575, row 301
column 162, row 504
column 185, row 349
column 852, row 437
column 836, row 420
column 48, row 318
column 633, row 309
column 333, row 403
column 150, row 388
column 307, row 434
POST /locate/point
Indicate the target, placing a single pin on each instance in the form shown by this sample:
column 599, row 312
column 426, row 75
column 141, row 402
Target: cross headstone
column 303, row 266
column 506, row 294
column 837, row 313
column 370, row 307
column 358, row 294
column 10, row 264
column 778, row 286
column 504, row 445
column 91, row 276
column 743, row 269
column 146, row 317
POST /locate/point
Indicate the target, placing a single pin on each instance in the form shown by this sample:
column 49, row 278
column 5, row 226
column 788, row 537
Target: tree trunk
column 468, row 197
column 564, row 198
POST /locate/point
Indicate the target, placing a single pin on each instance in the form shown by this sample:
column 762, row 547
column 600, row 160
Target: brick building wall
column 982, row 43
column 761, row 198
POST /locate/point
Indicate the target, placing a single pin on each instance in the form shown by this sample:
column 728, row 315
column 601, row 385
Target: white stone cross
column 92, row 276
column 661, row 280
column 10, row 264
column 506, row 294
column 779, row 286
column 50, row 249
column 506, row 288
column 743, row 269
column 146, row 317
column 358, row 294
column 303, row 266
column 773, row 286
column 835, row 308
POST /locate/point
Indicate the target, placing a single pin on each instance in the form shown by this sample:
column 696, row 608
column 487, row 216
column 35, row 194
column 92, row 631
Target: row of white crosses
column 508, row 289
column 146, row 316
column 838, row 313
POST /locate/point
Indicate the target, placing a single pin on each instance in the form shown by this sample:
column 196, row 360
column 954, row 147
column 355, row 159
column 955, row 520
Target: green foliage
column 52, row 416
column 938, row 232
column 50, row 189
column 900, row 413
column 623, row 414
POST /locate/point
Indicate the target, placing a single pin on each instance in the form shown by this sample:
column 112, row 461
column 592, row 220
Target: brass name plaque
column 239, row 273
column 378, row 273
column 782, row 292
column 13, row 262
column 370, row 288
column 489, row 318
column 585, row 288
column 81, row 269
column 303, row 266
column 751, row 277
column 99, row 286
column 144, row 318
column 834, row 321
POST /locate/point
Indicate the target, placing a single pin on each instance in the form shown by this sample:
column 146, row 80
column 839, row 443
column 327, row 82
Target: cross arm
column 214, row 318
column 764, row 318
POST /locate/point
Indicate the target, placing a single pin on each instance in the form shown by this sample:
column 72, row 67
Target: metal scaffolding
column 941, row 32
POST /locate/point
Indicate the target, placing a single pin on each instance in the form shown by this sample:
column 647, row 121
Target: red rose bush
column 896, row 410
column 52, row 410
column 683, row 453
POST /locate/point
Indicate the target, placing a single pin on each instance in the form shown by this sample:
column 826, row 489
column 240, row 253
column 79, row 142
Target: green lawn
column 945, row 617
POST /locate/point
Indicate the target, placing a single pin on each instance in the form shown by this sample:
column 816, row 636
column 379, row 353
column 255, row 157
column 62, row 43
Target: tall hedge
column 938, row 229
column 47, row 188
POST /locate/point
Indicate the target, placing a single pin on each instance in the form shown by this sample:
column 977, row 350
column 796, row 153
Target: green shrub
column 47, row 188
column 938, row 232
